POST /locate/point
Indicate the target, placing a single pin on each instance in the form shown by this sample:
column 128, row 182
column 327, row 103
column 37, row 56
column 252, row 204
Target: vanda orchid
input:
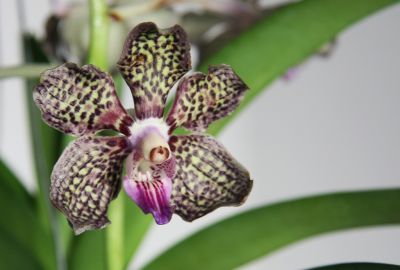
column 190, row 175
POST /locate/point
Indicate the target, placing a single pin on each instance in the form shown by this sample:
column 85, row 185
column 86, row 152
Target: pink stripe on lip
column 152, row 197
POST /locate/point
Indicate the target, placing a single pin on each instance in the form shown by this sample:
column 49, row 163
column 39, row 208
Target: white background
column 334, row 127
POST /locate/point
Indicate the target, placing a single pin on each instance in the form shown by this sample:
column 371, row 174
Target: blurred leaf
column 88, row 251
column 136, row 224
column 242, row 238
column 284, row 39
column 17, row 221
column 359, row 266
column 15, row 256
column 46, row 144
column 11, row 186
column 16, row 205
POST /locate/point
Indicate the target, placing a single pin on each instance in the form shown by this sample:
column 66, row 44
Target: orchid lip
column 151, row 196
column 144, row 183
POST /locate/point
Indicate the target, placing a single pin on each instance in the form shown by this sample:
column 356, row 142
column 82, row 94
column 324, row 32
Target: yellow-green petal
column 151, row 63
column 207, row 177
column 86, row 178
column 202, row 99
column 79, row 101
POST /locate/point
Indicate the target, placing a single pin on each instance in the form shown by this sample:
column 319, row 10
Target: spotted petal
column 149, row 186
column 202, row 99
column 151, row 63
column 80, row 100
column 207, row 177
column 86, row 178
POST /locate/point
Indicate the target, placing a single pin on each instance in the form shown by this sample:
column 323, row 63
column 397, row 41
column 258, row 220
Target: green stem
column 99, row 29
column 29, row 71
column 98, row 35
column 114, row 235
column 89, row 250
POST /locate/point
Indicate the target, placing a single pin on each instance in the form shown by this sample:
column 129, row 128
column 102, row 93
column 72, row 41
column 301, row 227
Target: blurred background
column 331, row 124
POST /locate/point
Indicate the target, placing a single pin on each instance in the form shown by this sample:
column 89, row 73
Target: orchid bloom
column 190, row 175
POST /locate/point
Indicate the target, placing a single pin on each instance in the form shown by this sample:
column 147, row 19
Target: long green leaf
column 285, row 39
column 17, row 221
column 136, row 225
column 359, row 266
column 15, row 256
column 237, row 240
column 88, row 251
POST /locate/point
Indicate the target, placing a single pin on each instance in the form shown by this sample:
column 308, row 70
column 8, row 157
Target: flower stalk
column 98, row 33
column 29, row 71
column 97, row 55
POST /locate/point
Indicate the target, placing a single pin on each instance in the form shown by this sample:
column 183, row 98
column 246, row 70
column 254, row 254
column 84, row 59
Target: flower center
column 150, row 139
column 154, row 147
column 159, row 154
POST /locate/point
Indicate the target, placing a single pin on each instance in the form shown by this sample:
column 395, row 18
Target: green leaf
column 136, row 224
column 16, row 205
column 88, row 251
column 17, row 222
column 359, row 266
column 284, row 39
column 10, row 186
column 15, row 256
column 242, row 238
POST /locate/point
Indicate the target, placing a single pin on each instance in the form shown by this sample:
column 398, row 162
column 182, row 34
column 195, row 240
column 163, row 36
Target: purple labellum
column 152, row 196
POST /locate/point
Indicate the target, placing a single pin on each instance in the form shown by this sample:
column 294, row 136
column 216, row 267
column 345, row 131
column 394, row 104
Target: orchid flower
column 189, row 175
